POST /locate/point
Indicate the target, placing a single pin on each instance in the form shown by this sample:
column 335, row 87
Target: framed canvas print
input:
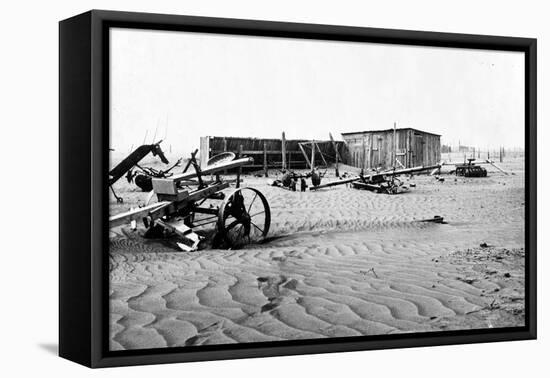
column 236, row 188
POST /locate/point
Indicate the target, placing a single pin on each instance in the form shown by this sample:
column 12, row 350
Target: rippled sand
column 342, row 262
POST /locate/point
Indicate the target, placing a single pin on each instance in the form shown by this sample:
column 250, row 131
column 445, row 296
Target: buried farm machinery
column 191, row 209
column 125, row 167
column 470, row 169
column 383, row 182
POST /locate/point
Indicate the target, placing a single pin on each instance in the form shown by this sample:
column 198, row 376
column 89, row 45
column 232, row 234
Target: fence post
column 312, row 156
column 240, row 154
column 283, row 150
column 265, row 159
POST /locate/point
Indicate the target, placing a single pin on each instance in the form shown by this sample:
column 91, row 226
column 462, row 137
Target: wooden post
column 500, row 154
column 305, row 155
column 363, row 157
column 204, row 151
column 337, row 173
column 337, row 154
column 394, row 144
column 321, row 154
column 239, row 155
column 283, row 150
column 312, row 156
column 265, row 159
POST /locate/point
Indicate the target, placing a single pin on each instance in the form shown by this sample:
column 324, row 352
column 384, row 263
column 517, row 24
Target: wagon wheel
column 244, row 217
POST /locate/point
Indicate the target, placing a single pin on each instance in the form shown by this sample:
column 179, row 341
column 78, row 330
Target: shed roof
column 388, row 130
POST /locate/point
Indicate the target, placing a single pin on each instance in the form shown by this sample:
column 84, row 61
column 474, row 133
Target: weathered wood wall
column 374, row 149
column 254, row 147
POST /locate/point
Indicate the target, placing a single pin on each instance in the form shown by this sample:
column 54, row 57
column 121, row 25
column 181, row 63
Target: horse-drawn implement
column 470, row 169
column 473, row 168
column 125, row 167
column 191, row 209
column 382, row 182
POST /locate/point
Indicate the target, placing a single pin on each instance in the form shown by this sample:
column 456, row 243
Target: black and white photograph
column 274, row 189
column 266, row 189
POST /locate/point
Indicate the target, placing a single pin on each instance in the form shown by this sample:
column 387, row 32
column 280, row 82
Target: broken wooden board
column 135, row 214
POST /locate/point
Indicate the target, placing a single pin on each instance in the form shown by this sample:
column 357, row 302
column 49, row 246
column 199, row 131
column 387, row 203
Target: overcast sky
column 191, row 85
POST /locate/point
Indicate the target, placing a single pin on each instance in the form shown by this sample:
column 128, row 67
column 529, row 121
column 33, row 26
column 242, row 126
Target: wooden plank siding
column 374, row 149
column 254, row 148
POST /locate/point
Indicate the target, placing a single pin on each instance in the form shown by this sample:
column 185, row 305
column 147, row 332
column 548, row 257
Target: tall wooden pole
column 265, row 159
column 394, row 144
column 305, row 155
column 312, row 156
column 337, row 154
column 283, row 150
column 336, row 166
column 321, row 154
column 363, row 157
column 240, row 154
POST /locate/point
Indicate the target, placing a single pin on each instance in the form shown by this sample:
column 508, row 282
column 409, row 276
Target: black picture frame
column 83, row 162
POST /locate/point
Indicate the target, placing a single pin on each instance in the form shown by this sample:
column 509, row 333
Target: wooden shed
column 381, row 148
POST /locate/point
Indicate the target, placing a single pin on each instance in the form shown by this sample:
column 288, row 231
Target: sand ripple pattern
column 342, row 262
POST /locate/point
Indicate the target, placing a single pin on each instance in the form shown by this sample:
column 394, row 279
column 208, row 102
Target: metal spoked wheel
column 244, row 217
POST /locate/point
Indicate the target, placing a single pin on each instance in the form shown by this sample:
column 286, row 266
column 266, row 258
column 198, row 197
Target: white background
column 29, row 119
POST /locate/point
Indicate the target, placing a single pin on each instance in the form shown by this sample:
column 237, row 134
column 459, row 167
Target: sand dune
column 341, row 262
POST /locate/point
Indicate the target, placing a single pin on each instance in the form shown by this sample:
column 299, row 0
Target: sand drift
column 338, row 262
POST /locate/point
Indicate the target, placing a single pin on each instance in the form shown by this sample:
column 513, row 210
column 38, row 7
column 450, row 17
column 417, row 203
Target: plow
column 191, row 210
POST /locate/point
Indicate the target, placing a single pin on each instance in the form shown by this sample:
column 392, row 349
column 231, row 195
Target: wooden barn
column 381, row 148
column 274, row 153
